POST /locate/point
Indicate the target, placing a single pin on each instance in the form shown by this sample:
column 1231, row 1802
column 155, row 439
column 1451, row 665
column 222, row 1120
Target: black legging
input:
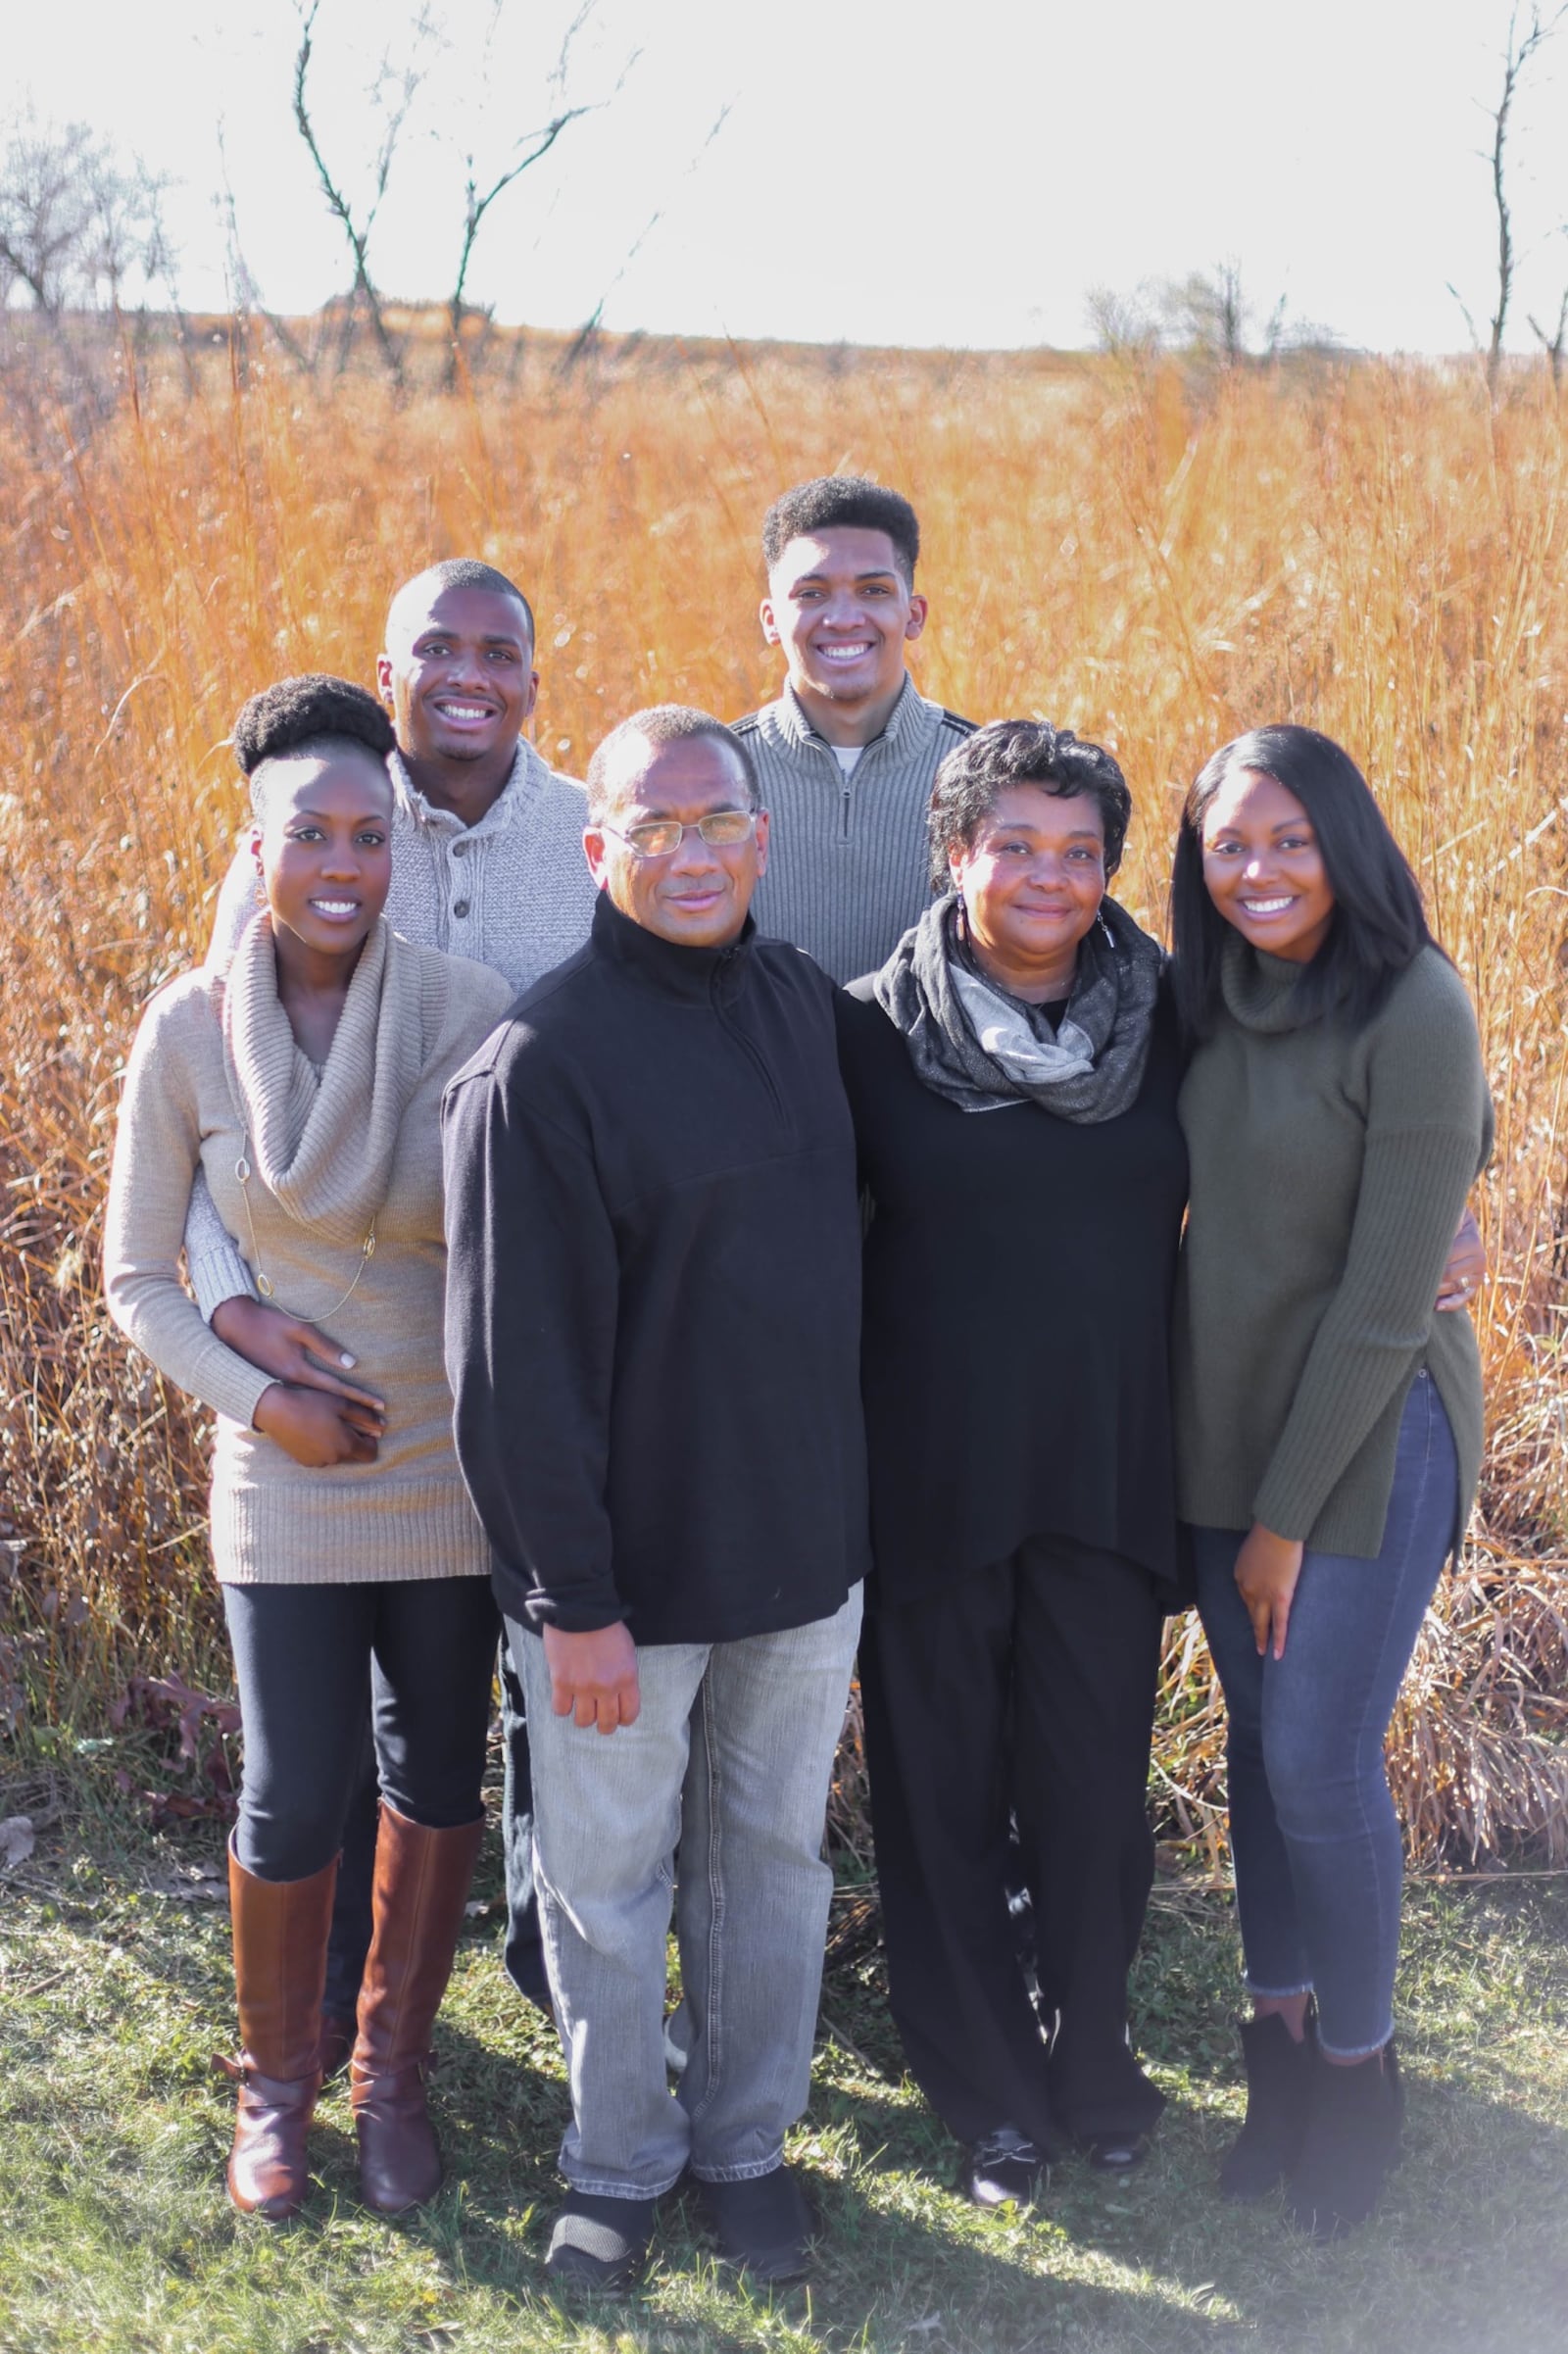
column 305, row 1656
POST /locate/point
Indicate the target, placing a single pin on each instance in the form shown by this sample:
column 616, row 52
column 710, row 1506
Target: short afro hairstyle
column 314, row 716
column 662, row 723
column 843, row 502
column 468, row 573
column 1022, row 751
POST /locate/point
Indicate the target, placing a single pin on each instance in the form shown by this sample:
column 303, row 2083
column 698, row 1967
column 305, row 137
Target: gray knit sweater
column 215, row 1075
column 849, row 869
column 513, row 891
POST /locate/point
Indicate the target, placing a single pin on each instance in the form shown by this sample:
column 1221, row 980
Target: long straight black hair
column 1378, row 926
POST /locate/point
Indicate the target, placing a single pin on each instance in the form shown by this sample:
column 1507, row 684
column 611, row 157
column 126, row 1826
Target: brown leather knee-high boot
column 422, row 1879
column 280, row 1928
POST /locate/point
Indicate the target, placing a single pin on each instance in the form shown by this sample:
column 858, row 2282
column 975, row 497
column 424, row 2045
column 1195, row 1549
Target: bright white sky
column 957, row 173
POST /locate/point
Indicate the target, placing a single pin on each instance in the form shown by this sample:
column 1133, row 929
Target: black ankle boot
column 1279, row 2088
column 1352, row 2140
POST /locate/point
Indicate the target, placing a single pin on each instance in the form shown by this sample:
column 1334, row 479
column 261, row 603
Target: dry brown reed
column 1159, row 562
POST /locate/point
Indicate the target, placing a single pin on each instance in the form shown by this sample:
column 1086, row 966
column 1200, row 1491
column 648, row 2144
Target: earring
column 261, row 888
column 1110, row 937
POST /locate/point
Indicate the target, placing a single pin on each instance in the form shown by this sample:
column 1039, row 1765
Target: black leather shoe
column 600, row 2243
column 1005, row 2167
column 763, row 2225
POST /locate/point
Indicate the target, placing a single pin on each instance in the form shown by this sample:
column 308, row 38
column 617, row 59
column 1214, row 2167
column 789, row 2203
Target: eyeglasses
column 661, row 837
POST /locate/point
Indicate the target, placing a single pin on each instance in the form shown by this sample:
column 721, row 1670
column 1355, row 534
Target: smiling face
column 843, row 611
column 1031, row 882
column 1262, row 866
column 697, row 896
column 458, row 675
column 323, row 848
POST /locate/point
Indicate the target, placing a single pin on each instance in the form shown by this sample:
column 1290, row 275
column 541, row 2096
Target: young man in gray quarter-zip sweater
column 848, row 753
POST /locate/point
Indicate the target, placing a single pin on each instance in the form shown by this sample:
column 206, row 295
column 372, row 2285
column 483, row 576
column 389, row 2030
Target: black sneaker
column 763, row 2225
column 600, row 2242
column 1003, row 2166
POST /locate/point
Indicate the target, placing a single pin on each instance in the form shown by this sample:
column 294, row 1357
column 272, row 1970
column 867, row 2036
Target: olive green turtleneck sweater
column 1329, row 1170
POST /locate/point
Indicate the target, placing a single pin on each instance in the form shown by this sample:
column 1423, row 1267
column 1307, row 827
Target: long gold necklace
column 263, row 1281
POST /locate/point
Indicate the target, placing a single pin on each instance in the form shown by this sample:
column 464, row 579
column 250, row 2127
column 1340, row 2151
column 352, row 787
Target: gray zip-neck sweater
column 849, row 869
column 1329, row 1168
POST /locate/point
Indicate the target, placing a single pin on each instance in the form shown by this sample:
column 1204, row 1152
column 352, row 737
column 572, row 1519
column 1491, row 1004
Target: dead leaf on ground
column 15, row 1841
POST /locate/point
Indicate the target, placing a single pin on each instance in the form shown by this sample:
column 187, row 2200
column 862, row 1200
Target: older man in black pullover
column 653, row 1336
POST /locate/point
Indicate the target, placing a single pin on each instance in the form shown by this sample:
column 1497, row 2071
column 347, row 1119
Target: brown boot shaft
column 422, row 1879
column 281, row 1931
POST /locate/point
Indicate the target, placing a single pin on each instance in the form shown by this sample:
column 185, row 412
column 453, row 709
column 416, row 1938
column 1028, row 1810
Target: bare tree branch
column 1520, row 48
column 1553, row 344
column 357, row 235
column 537, row 144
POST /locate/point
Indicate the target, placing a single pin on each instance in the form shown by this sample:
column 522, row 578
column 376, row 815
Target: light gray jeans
column 730, row 1759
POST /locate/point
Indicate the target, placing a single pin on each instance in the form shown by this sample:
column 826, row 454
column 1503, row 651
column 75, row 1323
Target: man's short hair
column 664, row 723
column 843, row 502
column 464, row 572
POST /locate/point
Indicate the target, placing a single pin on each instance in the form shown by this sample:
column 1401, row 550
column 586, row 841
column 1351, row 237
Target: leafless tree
column 76, row 223
column 1527, row 33
column 1207, row 315
column 1553, row 344
column 394, row 94
column 528, row 150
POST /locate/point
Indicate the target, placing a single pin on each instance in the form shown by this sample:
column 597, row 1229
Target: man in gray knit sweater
column 847, row 756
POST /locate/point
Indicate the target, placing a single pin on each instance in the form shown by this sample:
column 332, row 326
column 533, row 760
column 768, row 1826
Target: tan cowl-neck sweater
column 1329, row 1168
column 215, row 1075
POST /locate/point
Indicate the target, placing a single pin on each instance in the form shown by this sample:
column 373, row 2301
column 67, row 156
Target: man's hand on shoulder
column 592, row 1677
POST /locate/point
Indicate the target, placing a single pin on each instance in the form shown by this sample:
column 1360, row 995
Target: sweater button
column 460, row 850
column 460, row 907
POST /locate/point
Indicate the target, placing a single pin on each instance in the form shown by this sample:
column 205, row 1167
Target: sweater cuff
column 581, row 1610
column 235, row 1389
column 217, row 1275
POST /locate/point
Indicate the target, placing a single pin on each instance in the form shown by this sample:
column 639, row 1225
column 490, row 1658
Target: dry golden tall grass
column 1157, row 561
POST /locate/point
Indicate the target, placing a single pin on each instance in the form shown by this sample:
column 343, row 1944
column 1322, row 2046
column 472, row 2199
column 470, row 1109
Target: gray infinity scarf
column 982, row 1048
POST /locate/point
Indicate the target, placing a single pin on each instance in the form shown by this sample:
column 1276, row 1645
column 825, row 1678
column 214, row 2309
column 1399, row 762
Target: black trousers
column 350, row 1942
column 306, row 1658
column 1023, row 1693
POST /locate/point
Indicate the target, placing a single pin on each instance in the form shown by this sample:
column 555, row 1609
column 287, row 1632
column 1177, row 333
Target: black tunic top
column 1018, row 1278
column 653, row 1293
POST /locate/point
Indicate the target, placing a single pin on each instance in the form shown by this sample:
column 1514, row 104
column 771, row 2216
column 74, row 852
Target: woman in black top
column 1013, row 1073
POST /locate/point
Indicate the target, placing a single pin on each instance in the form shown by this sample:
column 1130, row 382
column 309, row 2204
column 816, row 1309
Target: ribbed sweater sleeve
column 236, row 904
column 212, row 1261
column 532, row 1289
column 157, row 1156
column 1428, row 1131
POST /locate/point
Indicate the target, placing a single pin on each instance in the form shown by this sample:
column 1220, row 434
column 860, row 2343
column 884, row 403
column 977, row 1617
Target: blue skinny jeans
column 1319, row 1857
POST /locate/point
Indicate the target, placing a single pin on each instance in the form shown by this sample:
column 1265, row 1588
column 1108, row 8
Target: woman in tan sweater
column 307, row 1086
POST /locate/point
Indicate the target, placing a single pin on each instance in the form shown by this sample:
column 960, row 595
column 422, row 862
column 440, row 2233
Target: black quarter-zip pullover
column 654, row 1293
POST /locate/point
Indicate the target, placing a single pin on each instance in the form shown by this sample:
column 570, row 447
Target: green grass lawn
column 114, row 2233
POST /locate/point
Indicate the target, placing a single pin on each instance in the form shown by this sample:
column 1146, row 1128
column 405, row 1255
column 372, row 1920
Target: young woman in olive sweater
column 1328, row 1417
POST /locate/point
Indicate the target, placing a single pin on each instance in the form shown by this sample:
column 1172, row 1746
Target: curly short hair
column 312, row 715
column 843, row 502
column 662, row 723
column 1022, row 751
